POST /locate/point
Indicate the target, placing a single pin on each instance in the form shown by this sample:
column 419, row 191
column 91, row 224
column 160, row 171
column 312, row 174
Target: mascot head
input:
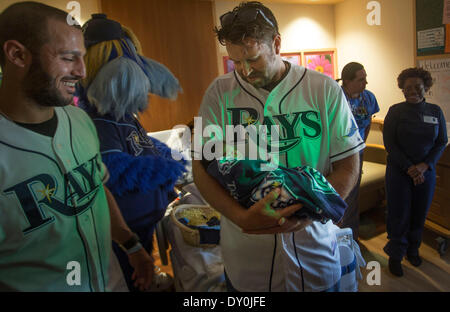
column 118, row 78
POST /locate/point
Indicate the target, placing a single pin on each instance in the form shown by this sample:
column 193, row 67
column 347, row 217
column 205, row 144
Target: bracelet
column 134, row 249
column 131, row 242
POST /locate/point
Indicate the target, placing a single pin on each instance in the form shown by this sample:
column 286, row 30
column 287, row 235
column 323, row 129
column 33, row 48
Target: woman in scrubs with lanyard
column 415, row 136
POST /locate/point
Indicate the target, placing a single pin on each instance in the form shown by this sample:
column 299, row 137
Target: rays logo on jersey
column 133, row 139
column 353, row 129
column 290, row 124
column 138, row 140
column 74, row 195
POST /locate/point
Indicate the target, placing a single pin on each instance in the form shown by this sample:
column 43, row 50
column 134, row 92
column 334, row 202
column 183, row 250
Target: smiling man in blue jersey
column 262, row 249
column 54, row 208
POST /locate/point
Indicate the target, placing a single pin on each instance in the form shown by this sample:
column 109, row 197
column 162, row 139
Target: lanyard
column 359, row 111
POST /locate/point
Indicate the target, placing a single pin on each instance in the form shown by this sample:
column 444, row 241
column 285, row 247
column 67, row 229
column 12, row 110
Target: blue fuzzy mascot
column 142, row 173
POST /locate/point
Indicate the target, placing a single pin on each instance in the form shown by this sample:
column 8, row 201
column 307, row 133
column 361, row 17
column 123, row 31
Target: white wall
column 302, row 26
column 384, row 50
column 87, row 6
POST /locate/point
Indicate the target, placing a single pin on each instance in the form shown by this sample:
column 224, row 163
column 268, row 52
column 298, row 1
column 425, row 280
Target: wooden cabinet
column 439, row 211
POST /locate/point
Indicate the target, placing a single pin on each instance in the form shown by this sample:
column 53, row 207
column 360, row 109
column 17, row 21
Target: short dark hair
column 415, row 72
column 26, row 22
column 349, row 71
column 258, row 28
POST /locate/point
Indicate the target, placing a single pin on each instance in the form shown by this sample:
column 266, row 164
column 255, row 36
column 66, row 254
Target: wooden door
column 178, row 34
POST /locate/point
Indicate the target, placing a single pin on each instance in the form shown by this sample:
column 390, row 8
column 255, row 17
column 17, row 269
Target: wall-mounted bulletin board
column 432, row 27
column 440, row 91
column 433, row 48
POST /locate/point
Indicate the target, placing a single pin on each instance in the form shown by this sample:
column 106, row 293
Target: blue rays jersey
column 53, row 207
column 363, row 107
column 141, row 175
column 316, row 128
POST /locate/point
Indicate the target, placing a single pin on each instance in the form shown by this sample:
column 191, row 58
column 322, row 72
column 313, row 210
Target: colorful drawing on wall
column 321, row 61
column 293, row 58
column 228, row 65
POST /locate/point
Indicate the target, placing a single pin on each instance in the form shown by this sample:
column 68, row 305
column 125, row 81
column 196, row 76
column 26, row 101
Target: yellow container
column 196, row 215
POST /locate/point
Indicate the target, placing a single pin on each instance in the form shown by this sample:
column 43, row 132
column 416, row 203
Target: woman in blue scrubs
column 415, row 136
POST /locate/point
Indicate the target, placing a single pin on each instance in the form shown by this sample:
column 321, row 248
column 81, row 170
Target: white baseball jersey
column 53, row 207
column 316, row 129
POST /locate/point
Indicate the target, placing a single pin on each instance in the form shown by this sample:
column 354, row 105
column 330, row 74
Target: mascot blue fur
column 142, row 172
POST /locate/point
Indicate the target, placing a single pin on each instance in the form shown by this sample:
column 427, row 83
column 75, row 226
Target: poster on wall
column 440, row 91
column 430, row 39
column 293, row 58
column 321, row 61
column 446, row 13
column 228, row 65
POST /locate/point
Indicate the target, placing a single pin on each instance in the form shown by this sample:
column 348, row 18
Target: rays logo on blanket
column 318, row 182
column 77, row 194
column 225, row 166
column 271, row 182
column 294, row 127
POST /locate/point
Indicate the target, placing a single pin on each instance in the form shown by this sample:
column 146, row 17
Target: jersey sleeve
column 104, row 174
column 345, row 139
column 109, row 143
column 109, row 137
column 212, row 116
column 374, row 107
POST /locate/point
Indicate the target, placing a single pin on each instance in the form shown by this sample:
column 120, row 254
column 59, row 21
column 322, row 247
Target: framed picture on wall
column 323, row 61
column 293, row 58
column 228, row 65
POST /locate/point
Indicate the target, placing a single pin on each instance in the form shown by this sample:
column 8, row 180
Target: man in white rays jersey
column 263, row 249
column 57, row 219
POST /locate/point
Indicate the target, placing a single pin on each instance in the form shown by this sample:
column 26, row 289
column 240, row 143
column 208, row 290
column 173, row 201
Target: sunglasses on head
column 246, row 15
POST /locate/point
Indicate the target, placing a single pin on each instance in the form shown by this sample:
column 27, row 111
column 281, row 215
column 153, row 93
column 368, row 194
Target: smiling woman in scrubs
column 415, row 136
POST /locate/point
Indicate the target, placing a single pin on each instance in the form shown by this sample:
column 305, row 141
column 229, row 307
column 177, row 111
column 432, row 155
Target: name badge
column 431, row 120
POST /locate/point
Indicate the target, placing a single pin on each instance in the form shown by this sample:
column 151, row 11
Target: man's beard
column 265, row 78
column 41, row 87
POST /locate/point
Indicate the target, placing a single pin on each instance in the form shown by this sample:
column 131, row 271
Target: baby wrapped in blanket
column 248, row 183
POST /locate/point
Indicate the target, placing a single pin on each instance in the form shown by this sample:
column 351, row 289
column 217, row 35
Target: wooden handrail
column 379, row 146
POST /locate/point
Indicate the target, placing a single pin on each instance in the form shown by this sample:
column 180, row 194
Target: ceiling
column 303, row 1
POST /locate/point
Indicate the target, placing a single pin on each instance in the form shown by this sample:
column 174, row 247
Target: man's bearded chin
column 41, row 88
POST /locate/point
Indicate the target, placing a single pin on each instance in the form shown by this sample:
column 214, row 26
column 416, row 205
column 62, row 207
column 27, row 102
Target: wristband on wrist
column 132, row 244
column 134, row 249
